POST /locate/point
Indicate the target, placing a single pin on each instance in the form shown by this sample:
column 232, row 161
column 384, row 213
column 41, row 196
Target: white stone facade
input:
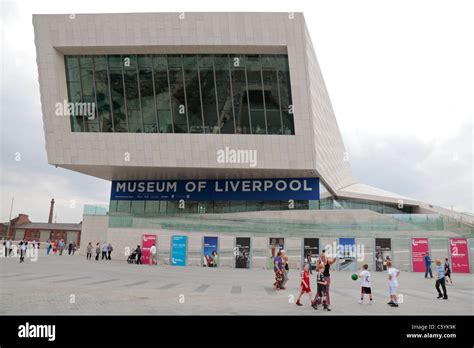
column 316, row 149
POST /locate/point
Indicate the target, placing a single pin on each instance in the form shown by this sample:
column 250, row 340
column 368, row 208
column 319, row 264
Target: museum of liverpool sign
column 217, row 190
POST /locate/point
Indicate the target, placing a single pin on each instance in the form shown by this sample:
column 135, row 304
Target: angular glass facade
column 182, row 93
column 170, row 208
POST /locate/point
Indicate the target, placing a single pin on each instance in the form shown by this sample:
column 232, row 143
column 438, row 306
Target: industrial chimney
column 51, row 209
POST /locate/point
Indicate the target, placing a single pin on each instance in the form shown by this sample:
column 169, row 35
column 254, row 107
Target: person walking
column 308, row 260
column 89, row 251
column 428, row 265
column 285, row 269
column 440, row 280
column 104, row 250
column 277, row 268
column 305, row 286
column 7, row 244
column 109, row 251
column 393, row 274
column 74, row 247
column 323, row 260
column 97, row 251
column 23, row 245
column 69, row 248
column 322, row 291
column 139, row 255
column 447, row 270
column 49, row 246
column 10, row 248
column 61, row 247
column 153, row 255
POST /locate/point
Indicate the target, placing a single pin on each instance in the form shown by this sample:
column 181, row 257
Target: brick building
column 22, row 227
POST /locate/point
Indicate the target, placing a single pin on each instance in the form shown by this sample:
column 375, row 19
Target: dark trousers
column 104, row 255
column 97, row 256
column 22, row 256
column 441, row 282
column 89, row 255
column 139, row 259
column 108, row 255
column 428, row 270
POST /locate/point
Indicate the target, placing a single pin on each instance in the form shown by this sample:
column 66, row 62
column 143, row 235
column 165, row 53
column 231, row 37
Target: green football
column 354, row 276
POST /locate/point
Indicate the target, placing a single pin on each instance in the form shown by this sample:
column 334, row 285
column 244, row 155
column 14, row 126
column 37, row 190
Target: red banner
column 419, row 247
column 147, row 241
column 458, row 248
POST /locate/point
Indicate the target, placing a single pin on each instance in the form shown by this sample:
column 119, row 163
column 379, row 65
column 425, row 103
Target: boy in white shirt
column 153, row 260
column 365, row 287
column 393, row 283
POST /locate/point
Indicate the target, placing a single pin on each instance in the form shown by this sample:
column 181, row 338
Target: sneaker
column 390, row 303
column 439, row 296
column 445, row 297
column 394, row 305
column 371, row 301
column 327, row 309
column 298, row 303
column 360, row 302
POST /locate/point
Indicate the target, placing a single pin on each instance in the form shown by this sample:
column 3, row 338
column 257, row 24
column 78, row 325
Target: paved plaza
column 72, row 285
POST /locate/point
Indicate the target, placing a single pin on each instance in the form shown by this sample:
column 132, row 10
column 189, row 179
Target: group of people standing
column 323, row 282
column 57, row 247
column 105, row 250
column 323, row 279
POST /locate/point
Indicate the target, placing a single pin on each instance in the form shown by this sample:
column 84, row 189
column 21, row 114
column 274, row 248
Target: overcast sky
column 400, row 75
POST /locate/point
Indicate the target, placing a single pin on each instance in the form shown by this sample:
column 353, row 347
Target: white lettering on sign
column 244, row 185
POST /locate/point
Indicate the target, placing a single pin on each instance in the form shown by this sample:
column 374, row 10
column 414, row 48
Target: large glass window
column 162, row 94
column 74, row 91
column 224, row 95
column 189, row 93
column 91, row 122
column 271, row 93
column 130, row 73
column 103, row 94
column 193, row 96
column 240, row 95
column 117, row 94
column 147, row 94
column 178, row 98
column 255, row 95
column 286, row 104
column 208, row 92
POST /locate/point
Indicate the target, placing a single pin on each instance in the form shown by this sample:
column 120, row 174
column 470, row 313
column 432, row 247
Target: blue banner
column 210, row 251
column 178, row 250
column 217, row 190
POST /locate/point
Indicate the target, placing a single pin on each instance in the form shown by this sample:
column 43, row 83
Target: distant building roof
column 52, row 226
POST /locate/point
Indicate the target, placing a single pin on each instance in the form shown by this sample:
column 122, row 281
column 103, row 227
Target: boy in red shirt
column 305, row 285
